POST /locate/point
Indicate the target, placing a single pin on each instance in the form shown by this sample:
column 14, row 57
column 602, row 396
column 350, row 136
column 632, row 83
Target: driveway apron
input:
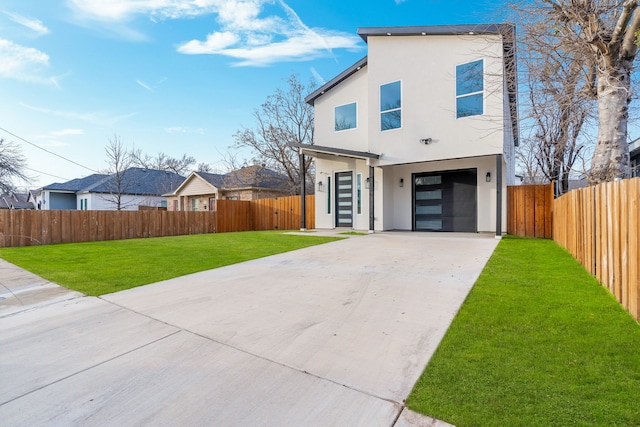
column 335, row 334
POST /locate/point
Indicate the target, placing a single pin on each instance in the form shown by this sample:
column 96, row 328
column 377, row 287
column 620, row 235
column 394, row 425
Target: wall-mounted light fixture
column 320, row 187
column 488, row 177
column 426, row 141
column 401, row 182
column 367, row 183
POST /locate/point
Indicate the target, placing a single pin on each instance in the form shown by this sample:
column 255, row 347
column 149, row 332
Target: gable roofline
column 310, row 99
column 188, row 179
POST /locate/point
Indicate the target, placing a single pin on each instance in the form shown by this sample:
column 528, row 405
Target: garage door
column 445, row 201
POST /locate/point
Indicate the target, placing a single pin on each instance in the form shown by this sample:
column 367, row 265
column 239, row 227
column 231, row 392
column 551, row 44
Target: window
column 359, row 193
column 469, row 89
column 194, row 205
column 328, row 194
column 390, row 106
column 345, row 117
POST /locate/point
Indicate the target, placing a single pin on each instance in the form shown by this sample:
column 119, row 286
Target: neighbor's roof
column 138, row 182
column 76, row 184
column 15, row 201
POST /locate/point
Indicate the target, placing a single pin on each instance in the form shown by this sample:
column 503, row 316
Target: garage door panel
column 445, row 201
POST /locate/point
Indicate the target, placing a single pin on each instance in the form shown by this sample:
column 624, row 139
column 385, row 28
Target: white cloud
column 317, row 76
column 23, row 63
column 33, row 24
column 100, row 118
column 215, row 43
column 246, row 31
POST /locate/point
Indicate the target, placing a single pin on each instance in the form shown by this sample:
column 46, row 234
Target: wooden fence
column 282, row 213
column 599, row 227
column 33, row 227
column 529, row 210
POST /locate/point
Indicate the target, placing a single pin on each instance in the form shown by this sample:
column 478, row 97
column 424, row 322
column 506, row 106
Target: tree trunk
column 611, row 156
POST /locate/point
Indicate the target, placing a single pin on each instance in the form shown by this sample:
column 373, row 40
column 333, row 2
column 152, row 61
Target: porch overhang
column 328, row 152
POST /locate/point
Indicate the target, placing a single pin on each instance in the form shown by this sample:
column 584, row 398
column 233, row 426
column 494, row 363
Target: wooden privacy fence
column 599, row 227
column 282, row 213
column 529, row 210
column 33, row 227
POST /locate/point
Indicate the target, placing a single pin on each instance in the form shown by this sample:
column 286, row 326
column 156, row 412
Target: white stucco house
column 420, row 134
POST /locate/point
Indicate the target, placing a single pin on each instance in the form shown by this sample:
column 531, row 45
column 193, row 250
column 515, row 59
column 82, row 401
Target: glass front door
column 344, row 199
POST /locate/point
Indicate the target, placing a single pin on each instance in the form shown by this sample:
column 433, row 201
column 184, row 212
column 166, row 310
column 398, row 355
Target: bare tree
column 283, row 121
column 119, row 160
column 604, row 33
column 12, row 166
column 162, row 161
column 204, row 167
column 559, row 102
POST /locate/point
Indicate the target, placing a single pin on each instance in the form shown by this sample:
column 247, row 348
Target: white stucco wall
column 426, row 68
column 353, row 89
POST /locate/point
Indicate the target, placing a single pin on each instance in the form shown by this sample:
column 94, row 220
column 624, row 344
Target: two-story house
column 420, row 134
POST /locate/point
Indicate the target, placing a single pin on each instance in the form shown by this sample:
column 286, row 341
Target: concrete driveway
column 335, row 334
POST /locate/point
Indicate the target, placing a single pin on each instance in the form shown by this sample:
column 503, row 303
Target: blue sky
column 172, row 76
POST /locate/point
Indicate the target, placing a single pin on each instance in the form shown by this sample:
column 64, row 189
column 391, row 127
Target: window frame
column 355, row 117
column 390, row 110
column 471, row 93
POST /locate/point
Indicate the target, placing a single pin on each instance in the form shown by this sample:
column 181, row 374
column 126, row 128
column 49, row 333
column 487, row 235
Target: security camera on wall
column 426, row 141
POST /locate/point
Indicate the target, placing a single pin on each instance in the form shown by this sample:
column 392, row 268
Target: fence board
column 599, row 226
column 529, row 210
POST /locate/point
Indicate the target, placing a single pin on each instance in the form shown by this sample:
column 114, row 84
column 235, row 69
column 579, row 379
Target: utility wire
column 47, row 151
column 48, row 174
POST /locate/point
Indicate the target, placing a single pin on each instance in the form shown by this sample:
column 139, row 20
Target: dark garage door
column 445, row 201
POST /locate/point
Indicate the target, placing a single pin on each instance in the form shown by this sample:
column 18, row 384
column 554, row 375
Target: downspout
column 303, row 193
column 371, row 204
column 498, row 196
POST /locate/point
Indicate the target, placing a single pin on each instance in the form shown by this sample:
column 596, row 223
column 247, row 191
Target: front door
column 344, row 199
column 445, row 201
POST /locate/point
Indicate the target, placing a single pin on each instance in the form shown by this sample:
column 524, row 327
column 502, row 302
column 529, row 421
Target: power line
column 48, row 174
column 47, row 151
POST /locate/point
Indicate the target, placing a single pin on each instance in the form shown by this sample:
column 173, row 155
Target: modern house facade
column 420, row 134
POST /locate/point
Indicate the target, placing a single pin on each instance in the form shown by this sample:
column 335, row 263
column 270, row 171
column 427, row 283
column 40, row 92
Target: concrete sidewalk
column 335, row 334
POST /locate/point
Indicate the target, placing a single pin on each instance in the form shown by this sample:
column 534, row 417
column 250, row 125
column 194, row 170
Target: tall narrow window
column 359, row 193
column 469, row 89
column 390, row 106
column 328, row 194
column 345, row 117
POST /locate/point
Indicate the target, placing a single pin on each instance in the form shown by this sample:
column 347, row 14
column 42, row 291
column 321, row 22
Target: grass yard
column 98, row 268
column 538, row 342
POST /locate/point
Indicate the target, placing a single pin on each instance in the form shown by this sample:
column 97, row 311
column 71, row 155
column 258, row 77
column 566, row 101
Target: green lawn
column 538, row 342
column 99, row 268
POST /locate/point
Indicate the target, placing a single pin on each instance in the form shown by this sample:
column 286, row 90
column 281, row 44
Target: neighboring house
column 420, row 134
column 62, row 196
column 137, row 187
column 15, row 201
column 634, row 157
column 200, row 190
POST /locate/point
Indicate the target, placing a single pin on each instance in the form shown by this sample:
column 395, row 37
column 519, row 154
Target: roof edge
column 436, row 30
column 311, row 98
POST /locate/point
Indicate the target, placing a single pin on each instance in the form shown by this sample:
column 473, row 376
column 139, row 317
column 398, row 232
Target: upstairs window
column 470, row 89
column 345, row 117
column 390, row 106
